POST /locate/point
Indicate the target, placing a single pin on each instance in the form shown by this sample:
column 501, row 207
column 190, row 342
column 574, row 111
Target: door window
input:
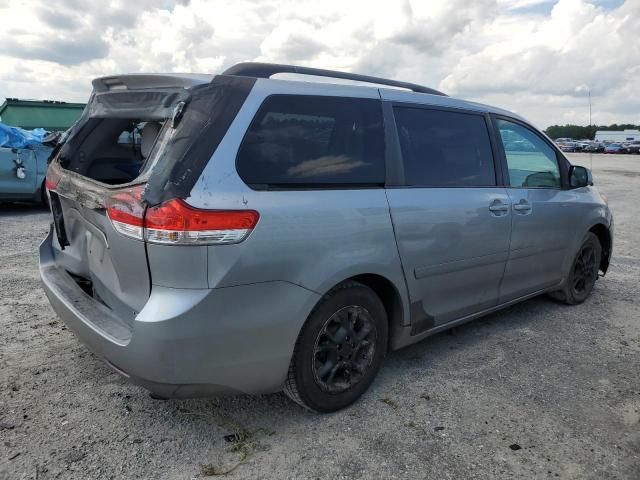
column 444, row 149
column 532, row 163
column 314, row 141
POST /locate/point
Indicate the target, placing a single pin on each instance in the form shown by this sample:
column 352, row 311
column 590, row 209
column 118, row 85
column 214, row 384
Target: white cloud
column 536, row 57
column 556, row 61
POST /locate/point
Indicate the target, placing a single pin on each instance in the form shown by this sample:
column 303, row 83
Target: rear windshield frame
column 208, row 111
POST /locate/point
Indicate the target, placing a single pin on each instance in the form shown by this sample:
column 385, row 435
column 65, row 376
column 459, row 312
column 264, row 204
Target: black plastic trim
column 58, row 220
column 421, row 321
column 502, row 176
column 393, row 155
column 266, row 70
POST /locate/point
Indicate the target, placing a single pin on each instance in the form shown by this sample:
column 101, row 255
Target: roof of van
column 391, row 90
column 338, row 88
column 451, row 102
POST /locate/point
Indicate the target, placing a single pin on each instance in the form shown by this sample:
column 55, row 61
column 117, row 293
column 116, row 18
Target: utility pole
column 594, row 135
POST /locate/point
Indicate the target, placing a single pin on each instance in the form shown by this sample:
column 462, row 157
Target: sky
column 539, row 58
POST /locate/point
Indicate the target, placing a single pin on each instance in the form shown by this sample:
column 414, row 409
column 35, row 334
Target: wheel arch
column 388, row 294
column 604, row 236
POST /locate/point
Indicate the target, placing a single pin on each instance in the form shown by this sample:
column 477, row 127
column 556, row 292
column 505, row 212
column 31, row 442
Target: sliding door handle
column 498, row 208
column 523, row 206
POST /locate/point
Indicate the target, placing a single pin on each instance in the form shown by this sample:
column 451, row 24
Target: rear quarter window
column 313, row 141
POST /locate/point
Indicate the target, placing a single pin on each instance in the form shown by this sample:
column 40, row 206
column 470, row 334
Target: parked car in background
column 22, row 174
column 632, row 147
column 269, row 235
column 594, row 147
column 568, row 147
column 614, row 148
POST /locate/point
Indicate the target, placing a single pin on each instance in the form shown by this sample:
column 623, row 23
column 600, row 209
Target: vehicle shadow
column 275, row 412
column 15, row 209
column 244, row 426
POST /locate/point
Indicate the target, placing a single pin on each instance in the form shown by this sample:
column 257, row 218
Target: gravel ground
column 539, row 390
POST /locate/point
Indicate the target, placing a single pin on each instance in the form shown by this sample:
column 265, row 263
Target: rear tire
column 583, row 274
column 339, row 350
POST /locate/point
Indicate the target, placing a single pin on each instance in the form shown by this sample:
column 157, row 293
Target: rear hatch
column 105, row 160
column 121, row 176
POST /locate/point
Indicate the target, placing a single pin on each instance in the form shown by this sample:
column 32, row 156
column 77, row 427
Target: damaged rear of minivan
column 248, row 234
column 117, row 187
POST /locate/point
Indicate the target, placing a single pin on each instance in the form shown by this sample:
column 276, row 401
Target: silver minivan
column 261, row 234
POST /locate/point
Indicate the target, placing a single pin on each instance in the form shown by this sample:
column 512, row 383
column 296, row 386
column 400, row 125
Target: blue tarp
column 14, row 137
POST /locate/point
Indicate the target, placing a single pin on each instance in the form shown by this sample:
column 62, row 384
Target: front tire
column 583, row 274
column 339, row 350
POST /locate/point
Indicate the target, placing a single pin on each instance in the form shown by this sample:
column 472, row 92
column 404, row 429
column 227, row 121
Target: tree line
column 579, row 132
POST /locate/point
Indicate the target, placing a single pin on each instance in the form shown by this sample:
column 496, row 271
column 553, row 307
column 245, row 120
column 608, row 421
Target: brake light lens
column 176, row 223
column 52, row 179
column 126, row 212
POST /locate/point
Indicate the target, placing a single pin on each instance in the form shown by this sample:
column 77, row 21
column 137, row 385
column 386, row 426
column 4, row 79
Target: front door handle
column 523, row 206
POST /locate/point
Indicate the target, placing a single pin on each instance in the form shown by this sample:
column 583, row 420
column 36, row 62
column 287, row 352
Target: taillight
column 126, row 212
column 176, row 223
column 52, row 179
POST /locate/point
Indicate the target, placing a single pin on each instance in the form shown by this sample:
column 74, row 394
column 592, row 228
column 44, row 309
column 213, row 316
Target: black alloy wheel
column 585, row 270
column 583, row 274
column 344, row 349
column 339, row 349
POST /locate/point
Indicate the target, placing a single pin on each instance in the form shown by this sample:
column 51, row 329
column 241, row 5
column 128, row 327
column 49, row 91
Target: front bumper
column 189, row 342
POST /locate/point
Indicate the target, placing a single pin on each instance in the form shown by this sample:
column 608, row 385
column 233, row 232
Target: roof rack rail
column 266, row 70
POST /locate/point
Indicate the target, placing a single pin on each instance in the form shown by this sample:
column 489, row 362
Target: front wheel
column 584, row 272
column 340, row 349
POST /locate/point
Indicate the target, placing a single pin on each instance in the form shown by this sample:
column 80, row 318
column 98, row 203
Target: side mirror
column 580, row 176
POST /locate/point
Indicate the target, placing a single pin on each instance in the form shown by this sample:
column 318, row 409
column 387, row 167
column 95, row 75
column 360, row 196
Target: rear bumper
column 189, row 342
